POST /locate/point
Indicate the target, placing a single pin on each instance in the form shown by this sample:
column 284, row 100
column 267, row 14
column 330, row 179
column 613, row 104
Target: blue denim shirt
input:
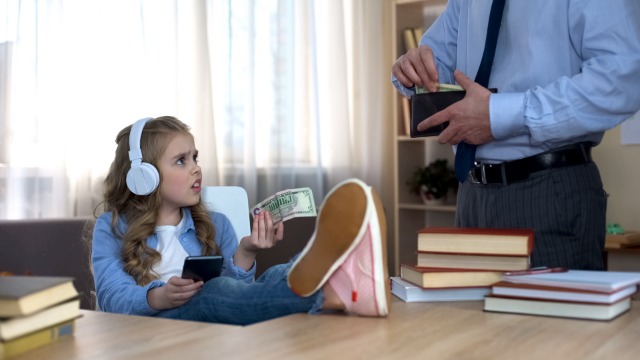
column 118, row 291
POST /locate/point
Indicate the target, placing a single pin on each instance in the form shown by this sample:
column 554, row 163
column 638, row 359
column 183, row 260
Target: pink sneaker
column 361, row 282
column 340, row 226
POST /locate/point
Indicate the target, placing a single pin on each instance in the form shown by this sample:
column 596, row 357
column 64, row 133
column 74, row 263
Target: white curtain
column 279, row 93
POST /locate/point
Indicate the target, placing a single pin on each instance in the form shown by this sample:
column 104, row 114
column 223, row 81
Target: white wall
column 621, row 177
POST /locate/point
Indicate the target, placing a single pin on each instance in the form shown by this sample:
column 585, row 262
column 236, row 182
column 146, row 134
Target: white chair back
column 232, row 201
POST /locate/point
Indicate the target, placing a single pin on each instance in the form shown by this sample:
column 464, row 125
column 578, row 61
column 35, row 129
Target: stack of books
column 473, row 248
column 580, row 294
column 35, row 311
column 456, row 264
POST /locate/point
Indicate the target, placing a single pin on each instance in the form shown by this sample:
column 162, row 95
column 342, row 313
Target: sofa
column 51, row 247
column 57, row 247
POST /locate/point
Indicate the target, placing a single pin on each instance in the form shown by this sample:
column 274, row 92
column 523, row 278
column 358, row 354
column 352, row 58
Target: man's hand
column 417, row 67
column 468, row 118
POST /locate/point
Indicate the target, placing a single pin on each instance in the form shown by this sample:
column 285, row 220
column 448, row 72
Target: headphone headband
column 135, row 152
column 142, row 178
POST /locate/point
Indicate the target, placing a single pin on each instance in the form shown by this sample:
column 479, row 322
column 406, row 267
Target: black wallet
column 426, row 104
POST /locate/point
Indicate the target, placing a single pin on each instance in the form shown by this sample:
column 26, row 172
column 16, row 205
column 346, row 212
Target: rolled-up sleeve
column 227, row 241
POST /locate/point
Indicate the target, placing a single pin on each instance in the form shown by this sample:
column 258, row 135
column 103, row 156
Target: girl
column 153, row 219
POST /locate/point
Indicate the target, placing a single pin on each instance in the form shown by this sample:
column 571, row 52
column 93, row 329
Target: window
column 266, row 87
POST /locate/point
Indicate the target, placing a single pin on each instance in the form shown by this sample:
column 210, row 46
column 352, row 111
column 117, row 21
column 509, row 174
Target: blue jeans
column 229, row 301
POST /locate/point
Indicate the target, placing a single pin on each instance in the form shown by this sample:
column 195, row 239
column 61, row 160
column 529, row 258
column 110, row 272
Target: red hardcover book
column 516, row 242
column 434, row 278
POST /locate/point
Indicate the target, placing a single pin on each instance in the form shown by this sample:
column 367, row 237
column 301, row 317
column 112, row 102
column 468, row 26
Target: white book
column 509, row 289
column 412, row 293
column 602, row 281
column 557, row 308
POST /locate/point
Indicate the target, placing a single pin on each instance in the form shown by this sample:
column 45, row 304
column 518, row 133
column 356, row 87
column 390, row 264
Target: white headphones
column 143, row 178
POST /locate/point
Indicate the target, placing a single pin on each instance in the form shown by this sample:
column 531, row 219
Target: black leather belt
column 519, row 170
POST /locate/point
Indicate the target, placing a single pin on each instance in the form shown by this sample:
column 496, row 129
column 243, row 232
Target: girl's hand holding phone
column 176, row 292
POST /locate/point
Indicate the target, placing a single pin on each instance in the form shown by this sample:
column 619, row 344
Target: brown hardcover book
column 477, row 241
column 530, row 291
column 472, row 261
column 557, row 308
column 24, row 295
column 434, row 278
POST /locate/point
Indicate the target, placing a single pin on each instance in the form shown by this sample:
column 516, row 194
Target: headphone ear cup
column 143, row 179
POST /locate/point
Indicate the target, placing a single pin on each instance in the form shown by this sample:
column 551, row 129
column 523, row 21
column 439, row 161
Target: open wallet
column 426, row 104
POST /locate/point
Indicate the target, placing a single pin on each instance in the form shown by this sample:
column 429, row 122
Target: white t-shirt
column 171, row 250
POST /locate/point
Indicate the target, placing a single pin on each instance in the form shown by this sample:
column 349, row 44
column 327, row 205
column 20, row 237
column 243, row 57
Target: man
column 566, row 71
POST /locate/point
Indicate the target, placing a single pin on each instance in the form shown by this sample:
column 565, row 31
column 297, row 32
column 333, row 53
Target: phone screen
column 202, row 268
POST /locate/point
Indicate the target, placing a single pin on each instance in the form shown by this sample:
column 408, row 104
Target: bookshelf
column 410, row 213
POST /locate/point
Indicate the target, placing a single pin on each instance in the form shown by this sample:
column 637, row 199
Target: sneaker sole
column 339, row 228
column 381, row 273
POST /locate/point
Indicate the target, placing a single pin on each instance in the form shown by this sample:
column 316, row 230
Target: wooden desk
column 455, row 330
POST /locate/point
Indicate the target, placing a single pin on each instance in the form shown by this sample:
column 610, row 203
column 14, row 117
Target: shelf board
column 424, row 207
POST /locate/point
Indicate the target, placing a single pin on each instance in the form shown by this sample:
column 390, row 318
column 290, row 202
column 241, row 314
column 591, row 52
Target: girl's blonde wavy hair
column 141, row 212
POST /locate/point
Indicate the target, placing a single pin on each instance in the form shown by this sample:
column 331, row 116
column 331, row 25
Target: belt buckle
column 483, row 174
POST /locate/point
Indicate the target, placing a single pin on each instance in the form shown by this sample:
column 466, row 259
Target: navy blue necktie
column 466, row 153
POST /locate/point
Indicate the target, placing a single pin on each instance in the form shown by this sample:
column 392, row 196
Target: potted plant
column 433, row 182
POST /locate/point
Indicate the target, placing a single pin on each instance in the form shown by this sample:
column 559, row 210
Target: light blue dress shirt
column 566, row 70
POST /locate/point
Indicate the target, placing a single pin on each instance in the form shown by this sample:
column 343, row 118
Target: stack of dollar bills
column 440, row 88
column 287, row 204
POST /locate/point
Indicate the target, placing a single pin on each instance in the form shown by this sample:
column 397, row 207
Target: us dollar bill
column 287, row 204
column 440, row 88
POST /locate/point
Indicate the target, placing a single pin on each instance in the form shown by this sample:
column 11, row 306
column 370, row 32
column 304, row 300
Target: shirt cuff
column 506, row 111
column 145, row 309
column 242, row 274
column 406, row 92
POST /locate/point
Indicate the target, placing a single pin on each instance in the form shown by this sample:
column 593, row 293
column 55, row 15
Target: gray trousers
column 566, row 208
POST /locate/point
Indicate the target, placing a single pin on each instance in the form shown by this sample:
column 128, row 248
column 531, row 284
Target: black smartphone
column 202, row 268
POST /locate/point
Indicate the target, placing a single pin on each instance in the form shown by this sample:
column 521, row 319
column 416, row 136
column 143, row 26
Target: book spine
column 37, row 339
column 475, row 231
column 486, row 254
